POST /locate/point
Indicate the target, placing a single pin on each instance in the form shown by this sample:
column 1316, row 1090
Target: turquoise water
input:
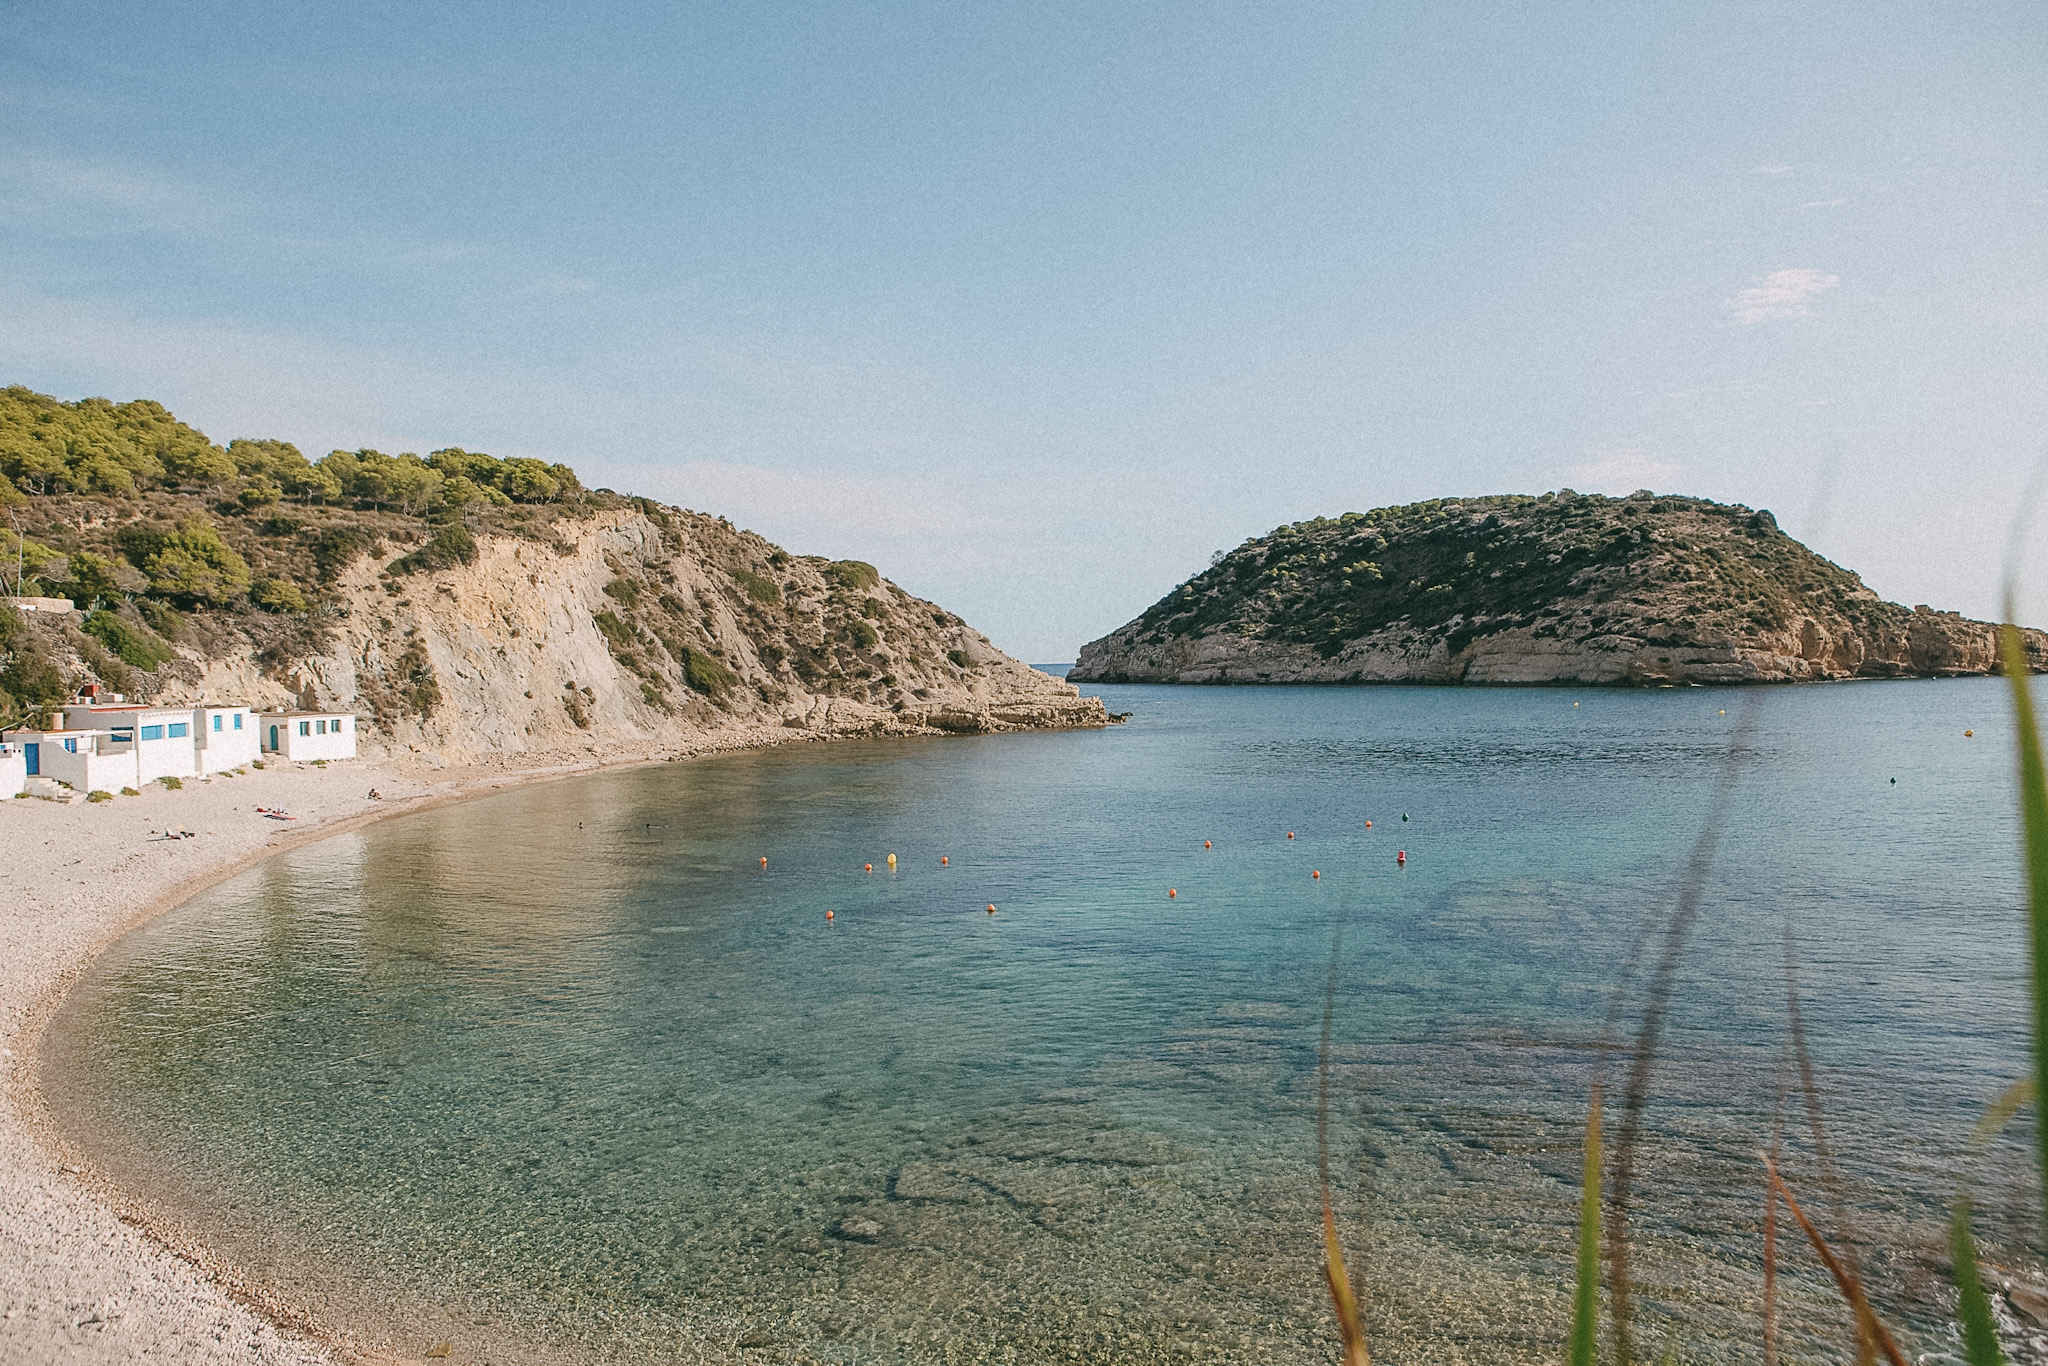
column 565, row 1071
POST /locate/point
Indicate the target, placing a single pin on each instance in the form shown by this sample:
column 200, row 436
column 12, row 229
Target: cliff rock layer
column 634, row 628
column 1561, row 588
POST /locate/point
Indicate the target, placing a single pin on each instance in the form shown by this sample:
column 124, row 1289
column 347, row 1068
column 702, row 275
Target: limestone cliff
column 1562, row 588
column 631, row 629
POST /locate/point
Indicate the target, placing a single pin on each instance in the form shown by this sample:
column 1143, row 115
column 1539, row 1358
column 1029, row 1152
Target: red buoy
column 991, row 908
column 869, row 866
column 1368, row 825
column 1317, row 875
column 1171, row 893
column 1401, row 856
column 1290, row 834
column 943, row 860
column 828, row 915
column 764, row 860
column 1205, row 844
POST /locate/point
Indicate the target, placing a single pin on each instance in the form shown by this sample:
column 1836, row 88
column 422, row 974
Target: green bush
column 131, row 792
column 452, row 545
column 958, row 658
column 277, row 595
column 99, row 794
column 337, row 547
column 164, row 621
column 617, row 633
column 853, row 574
column 169, row 783
column 759, row 588
column 136, row 646
column 623, row 590
column 706, row 674
column 191, row 564
column 864, row 637
column 32, row 679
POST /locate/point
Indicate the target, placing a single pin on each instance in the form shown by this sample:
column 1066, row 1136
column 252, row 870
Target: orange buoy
column 1171, row 893
column 828, row 915
column 1368, row 825
column 1401, row 856
column 1290, row 834
column 1317, row 875
column 943, row 860
column 1205, row 844
column 764, row 860
column 1968, row 733
column 869, row 866
column 991, row 908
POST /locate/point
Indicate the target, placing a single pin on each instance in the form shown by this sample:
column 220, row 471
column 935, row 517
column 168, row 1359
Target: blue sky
column 1035, row 306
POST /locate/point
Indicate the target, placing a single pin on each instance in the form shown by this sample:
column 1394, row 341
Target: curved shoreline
column 89, row 1270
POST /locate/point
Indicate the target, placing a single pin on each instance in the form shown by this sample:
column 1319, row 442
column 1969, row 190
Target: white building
column 303, row 736
column 13, row 770
column 111, row 745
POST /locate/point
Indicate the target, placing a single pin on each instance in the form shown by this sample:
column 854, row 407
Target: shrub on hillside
column 277, row 595
column 192, row 564
column 135, row 644
column 759, row 588
column 452, row 545
column 854, row 575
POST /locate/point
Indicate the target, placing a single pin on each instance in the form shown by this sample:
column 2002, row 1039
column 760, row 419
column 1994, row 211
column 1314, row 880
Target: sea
column 1041, row 1047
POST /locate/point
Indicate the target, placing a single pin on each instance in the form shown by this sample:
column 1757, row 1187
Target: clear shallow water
column 566, row 1065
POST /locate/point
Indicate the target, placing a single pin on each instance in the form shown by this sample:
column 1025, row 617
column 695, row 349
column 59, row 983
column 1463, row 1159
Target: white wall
column 13, row 770
column 299, row 735
column 227, row 747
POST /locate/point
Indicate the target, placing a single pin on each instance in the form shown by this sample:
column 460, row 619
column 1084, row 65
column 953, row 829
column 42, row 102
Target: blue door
column 273, row 738
column 35, row 759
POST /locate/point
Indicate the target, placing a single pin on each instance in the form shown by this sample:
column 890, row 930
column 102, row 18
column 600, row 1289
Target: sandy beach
column 81, row 1280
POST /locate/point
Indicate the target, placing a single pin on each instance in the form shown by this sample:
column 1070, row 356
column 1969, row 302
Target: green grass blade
column 2034, row 814
column 1980, row 1337
column 1586, row 1305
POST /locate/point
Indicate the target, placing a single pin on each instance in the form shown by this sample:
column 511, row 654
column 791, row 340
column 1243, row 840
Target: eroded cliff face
column 632, row 631
column 1560, row 589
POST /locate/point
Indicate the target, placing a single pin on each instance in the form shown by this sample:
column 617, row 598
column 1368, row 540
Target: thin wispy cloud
column 1623, row 469
column 1822, row 204
column 1782, row 294
column 1771, row 168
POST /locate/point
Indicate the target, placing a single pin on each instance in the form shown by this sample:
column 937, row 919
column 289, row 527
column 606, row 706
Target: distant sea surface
column 566, row 1072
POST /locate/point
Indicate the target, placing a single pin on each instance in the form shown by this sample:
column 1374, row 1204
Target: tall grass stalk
column 1692, row 889
column 1350, row 1323
column 1586, row 1303
column 2034, row 825
column 1845, row 1280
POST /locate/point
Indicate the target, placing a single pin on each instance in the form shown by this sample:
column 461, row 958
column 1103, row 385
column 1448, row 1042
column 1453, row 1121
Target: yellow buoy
column 892, row 860
column 1968, row 733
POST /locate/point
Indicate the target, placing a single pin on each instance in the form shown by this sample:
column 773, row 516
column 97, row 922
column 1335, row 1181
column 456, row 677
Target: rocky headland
column 467, row 608
column 1557, row 588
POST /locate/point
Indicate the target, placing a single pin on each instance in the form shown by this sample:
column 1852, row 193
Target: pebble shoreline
column 82, row 1280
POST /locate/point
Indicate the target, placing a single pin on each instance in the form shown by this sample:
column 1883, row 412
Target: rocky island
column 1563, row 587
column 467, row 608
